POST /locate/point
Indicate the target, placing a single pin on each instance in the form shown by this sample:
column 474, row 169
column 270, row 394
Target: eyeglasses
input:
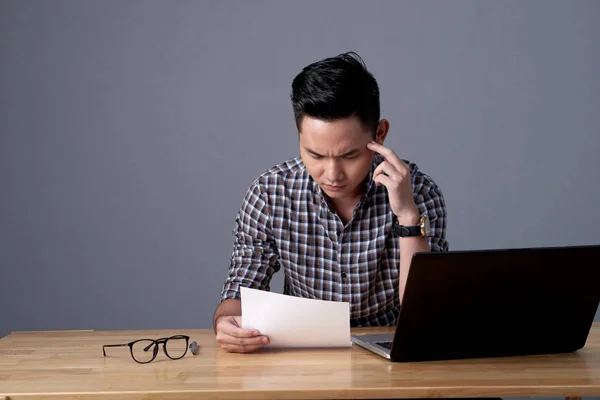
column 145, row 350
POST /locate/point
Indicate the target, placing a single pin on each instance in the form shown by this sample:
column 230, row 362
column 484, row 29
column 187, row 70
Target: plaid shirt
column 285, row 221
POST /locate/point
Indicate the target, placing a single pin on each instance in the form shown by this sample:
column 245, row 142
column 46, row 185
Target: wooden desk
column 69, row 364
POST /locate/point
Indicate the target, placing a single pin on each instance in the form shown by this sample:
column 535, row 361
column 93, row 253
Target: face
column 336, row 156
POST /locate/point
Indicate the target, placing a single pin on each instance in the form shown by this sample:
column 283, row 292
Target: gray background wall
column 130, row 130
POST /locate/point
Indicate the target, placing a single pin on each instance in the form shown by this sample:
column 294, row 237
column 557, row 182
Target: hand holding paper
column 291, row 321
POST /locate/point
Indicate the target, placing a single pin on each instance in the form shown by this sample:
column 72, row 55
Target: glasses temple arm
column 112, row 345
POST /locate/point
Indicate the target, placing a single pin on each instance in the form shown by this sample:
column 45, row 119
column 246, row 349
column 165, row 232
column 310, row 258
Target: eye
column 316, row 156
column 352, row 157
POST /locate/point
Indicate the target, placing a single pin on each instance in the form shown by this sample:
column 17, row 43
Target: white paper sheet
column 291, row 321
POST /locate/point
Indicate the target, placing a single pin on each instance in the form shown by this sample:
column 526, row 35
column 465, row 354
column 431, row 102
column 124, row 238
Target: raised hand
column 394, row 174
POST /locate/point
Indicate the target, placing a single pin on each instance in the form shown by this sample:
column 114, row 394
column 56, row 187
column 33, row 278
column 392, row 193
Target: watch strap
column 405, row 231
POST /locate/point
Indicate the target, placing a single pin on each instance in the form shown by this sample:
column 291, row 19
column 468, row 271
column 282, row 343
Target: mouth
column 334, row 188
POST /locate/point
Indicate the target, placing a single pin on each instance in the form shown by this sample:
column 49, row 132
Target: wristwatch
column 420, row 230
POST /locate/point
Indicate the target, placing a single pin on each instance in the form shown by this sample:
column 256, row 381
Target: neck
column 344, row 207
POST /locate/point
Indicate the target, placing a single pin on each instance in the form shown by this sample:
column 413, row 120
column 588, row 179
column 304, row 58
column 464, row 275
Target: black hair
column 334, row 88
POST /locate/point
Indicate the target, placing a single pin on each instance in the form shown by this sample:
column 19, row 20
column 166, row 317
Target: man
column 344, row 219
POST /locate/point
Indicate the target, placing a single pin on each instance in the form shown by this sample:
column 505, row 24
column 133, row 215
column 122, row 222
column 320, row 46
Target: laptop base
column 370, row 342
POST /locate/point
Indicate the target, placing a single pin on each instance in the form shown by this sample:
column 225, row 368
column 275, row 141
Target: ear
column 382, row 131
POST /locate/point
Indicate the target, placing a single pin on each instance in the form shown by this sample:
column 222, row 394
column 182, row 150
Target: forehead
column 346, row 132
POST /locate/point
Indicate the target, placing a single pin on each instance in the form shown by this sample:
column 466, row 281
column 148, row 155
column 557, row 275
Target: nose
column 334, row 173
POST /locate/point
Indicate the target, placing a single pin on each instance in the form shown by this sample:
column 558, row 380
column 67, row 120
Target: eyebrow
column 346, row 154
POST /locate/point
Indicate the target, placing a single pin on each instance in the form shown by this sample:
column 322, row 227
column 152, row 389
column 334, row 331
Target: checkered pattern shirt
column 285, row 222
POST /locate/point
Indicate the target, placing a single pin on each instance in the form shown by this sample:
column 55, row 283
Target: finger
column 236, row 331
column 388, row 154
column 387, row 169
column 384, row 168
column 240, row 349
column 386, row 181
column 225, row 339
column 231, row 328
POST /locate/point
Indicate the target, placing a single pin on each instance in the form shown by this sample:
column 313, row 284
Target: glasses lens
column 143, row 351
column 176, row 347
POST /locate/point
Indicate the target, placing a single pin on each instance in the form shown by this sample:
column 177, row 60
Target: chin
column 336, row 194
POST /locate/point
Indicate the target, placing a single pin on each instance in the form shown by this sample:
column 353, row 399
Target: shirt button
column 343, row 275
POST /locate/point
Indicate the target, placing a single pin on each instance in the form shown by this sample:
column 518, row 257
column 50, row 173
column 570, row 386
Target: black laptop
column 494, row 303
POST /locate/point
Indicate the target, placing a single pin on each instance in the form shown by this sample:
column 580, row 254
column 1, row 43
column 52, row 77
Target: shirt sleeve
column 254, row 258
column 432, row 203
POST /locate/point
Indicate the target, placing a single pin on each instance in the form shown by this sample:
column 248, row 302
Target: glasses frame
column 156, row 342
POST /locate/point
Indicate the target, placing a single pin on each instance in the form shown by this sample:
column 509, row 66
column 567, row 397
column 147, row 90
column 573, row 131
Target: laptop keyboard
column 387, row 345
